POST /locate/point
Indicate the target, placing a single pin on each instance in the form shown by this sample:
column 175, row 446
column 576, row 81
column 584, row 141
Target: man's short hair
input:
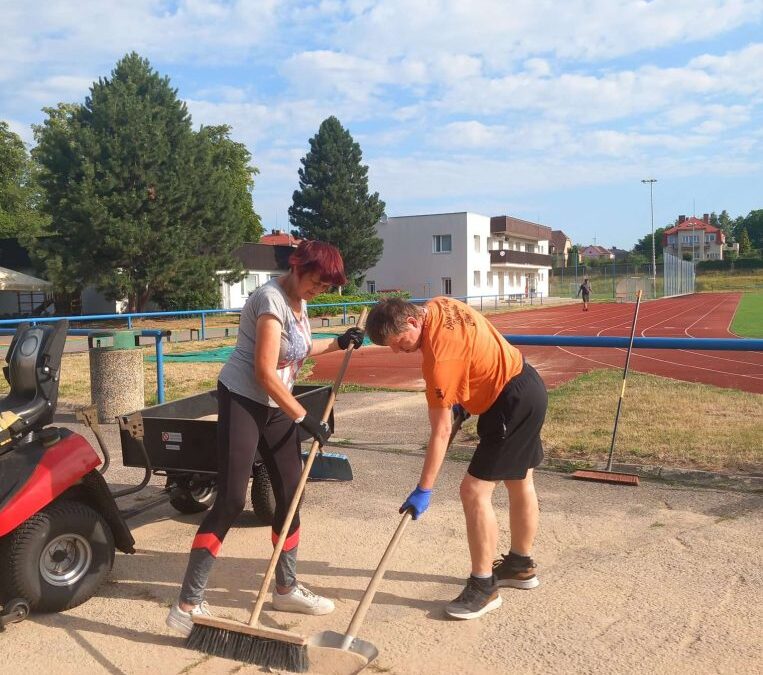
column 388, row 318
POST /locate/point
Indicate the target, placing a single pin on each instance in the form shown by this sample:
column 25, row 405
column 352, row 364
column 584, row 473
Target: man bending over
column 467, row 362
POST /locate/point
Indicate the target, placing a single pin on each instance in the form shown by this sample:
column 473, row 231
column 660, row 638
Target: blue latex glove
column 418, row 502
column 460, row 411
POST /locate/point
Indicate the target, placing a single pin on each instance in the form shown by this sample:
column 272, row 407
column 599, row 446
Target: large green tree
column 142, row 206
column 333, row 204
column 20, row 214
column 644, row 245
column 753, row 224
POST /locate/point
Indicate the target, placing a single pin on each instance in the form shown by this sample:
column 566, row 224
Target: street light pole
column 651, row 182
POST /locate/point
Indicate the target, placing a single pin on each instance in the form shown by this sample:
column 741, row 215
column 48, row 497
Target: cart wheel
column 58, row 558
column 263, row 501
column 194, row 497
column 14, row 611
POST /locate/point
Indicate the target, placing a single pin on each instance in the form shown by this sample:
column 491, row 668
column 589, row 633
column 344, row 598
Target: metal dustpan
column 328, row 656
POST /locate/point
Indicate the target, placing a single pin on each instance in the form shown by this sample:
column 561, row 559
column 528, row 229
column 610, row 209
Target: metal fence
column 621, row 281
column 678, row 275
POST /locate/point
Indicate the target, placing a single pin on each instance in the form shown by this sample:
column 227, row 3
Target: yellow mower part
column 7, row 419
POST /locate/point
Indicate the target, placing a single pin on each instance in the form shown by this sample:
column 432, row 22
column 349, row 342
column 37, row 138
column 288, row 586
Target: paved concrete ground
column 654, row 579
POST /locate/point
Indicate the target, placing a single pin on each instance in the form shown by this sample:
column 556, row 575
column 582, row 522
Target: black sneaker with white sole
column 479, row 597
column 515, row 571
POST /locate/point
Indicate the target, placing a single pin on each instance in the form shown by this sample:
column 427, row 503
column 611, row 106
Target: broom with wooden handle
column 607, row 475
column 253, row 643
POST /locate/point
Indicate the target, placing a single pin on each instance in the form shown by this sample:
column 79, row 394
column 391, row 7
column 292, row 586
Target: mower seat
column 34, row 361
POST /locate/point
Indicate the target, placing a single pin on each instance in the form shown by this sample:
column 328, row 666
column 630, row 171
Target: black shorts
column 509, row 430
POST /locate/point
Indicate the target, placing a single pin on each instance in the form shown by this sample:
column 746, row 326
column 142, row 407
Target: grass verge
column 662, row 422
column 748, row 320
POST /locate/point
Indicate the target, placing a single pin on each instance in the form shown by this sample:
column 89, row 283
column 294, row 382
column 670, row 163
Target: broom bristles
column 260, row 651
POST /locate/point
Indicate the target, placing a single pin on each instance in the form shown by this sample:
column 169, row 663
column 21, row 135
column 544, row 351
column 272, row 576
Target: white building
column 462, row 254
column 262, row 262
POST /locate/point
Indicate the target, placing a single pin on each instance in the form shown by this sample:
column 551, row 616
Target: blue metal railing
column 702, row 344
column 156, row 334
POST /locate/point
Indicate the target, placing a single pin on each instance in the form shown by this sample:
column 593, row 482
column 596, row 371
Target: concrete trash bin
column 116, row 374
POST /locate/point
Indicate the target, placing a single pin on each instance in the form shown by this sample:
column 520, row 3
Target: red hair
column 321, row 258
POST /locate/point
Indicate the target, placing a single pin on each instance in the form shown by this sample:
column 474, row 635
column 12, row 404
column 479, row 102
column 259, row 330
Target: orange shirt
column 466, row 359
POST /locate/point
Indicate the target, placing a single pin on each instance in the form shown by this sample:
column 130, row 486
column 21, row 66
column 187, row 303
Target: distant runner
column 585, row 289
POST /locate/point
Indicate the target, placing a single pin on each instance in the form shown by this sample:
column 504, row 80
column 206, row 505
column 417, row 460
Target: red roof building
column 279, row 238
column 696, row 237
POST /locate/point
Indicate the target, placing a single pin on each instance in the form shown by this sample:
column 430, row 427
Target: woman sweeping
column 257, row 409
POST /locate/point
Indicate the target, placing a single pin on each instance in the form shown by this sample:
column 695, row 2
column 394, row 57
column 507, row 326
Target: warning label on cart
column 172, row 437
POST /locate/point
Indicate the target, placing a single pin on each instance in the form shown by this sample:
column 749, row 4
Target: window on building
column 273, row 276
column 250, row 283
column 476, row 278
column 447, row 287
column 476, row 243
column 371, row 286
column 489, row 279
column 442, row 243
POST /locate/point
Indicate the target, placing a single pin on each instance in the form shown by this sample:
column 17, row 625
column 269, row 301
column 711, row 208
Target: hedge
column 731, row 265
column 337, row 300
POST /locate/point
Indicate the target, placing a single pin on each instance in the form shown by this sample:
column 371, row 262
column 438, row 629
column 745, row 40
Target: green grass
column 744, row 280
column 748, row 320
column 663, row 422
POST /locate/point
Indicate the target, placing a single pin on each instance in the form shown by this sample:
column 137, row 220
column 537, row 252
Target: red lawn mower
column 59, row 523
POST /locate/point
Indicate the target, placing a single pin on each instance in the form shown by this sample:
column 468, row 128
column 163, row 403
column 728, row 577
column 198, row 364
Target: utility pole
column 651, row 182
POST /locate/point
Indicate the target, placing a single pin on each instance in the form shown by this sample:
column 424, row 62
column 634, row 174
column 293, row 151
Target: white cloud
column 575, row 29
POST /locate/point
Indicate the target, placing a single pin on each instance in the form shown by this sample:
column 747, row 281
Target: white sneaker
column 302, row 600
column 182, row 621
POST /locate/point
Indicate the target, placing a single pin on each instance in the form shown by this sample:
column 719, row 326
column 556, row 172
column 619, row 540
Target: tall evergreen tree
column 752, row 223
column 134, row 193
column 332, row 203
column 744, row 242
column 726, row 224
column 19, row 195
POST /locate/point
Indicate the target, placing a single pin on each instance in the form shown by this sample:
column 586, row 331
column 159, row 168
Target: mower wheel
column 194, row 497
column 263, row 501
column 59, row 557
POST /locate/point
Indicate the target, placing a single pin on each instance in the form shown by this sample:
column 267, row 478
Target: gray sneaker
column 475, row 600
column 182, row 621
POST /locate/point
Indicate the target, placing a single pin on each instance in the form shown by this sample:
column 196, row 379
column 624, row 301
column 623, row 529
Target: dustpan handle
column 368, row 596
column 254, row 618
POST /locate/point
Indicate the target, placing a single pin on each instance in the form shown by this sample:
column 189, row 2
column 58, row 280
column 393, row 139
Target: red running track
column 700, row 315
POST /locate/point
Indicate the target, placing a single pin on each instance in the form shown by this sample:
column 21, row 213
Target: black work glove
column 319, row 430
column 352, row 336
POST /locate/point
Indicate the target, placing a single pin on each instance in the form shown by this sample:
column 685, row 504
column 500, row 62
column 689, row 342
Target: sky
column 553, row 112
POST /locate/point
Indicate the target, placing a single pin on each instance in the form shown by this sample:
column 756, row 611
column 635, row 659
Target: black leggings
column 243, row 426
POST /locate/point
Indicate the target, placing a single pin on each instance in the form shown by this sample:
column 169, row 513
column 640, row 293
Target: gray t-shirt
column 238, row 373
